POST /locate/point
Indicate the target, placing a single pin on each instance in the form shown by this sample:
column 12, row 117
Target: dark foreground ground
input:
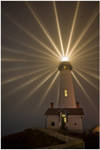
column 28, row 139
column 32, row 139
column 91, row 139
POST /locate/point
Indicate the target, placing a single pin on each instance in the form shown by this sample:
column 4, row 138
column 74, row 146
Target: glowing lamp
column 64, row 58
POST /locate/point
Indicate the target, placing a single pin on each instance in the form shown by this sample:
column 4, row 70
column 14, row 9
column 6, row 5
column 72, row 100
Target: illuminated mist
column 36, row 37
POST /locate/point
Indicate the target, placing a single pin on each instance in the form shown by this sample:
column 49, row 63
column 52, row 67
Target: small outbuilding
column 68, row 118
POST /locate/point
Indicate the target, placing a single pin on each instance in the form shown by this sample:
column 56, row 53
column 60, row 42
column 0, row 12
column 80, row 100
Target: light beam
column 83, row 90
column 15, row 60
column 29, row 81
column 39, row 85
column 89, row 73
column 72, row 29
column 42, row 27
column 33, row 37
column 84, row 52
column 31, row 47
column 83, row 77
column 48, row 89
column 91, row 20
column 58, row 27
column 84, row 44
column 12, row 79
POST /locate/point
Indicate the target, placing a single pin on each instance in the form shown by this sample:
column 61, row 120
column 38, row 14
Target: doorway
column 63, row 121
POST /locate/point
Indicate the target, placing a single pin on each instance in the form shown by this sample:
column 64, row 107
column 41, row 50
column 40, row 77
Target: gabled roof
column 70, row 111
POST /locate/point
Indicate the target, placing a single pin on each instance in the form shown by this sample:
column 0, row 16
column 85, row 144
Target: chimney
column 77, row 104
column 51, row 105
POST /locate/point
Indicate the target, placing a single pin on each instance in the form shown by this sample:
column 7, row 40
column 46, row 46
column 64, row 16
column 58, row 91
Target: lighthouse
column 68, row 114
column 67, row 96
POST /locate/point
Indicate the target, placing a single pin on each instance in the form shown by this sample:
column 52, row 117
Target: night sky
column 24, row 55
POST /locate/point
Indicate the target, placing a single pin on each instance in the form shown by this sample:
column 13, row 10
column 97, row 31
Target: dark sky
column 18, row 114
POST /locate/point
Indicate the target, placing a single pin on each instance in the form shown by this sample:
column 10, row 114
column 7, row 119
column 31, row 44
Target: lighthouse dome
column 65, row 66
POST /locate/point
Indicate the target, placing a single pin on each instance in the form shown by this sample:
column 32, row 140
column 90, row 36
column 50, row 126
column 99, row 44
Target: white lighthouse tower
column 67, row 96
column 68, row 114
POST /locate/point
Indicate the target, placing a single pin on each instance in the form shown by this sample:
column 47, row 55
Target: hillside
column 28, row 139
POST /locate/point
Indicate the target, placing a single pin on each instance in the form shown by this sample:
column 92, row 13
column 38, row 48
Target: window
column 65, row 93
column 75, row 123
column 64, row 120
column 64, row 67
column 63, row 115
column 53, row 123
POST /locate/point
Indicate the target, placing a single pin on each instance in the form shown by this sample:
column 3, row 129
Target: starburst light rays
column 91, row 20
column 33, row 37
column 58, row 27
column 42, row 27
column 83, row 90
column 29, row 82
column 86, row 79
column 89, row 73
column 48, row 89
column 39, row 85
column 12, row 79
column 80, row 50
column 32, row 47
column 72, row 29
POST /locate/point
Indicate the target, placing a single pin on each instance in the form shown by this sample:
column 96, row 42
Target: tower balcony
column 65, row 66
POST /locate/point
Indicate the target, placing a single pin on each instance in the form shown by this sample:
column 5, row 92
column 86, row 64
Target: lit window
column 65, row 120
column 63, row 115
column 65, row 93
column 64, row 67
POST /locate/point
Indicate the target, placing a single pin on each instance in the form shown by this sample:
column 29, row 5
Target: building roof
column 70, row 111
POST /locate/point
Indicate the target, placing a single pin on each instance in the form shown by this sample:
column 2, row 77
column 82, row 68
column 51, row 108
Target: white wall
column 71, row 123
column 66, row 83
column 53, row 118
